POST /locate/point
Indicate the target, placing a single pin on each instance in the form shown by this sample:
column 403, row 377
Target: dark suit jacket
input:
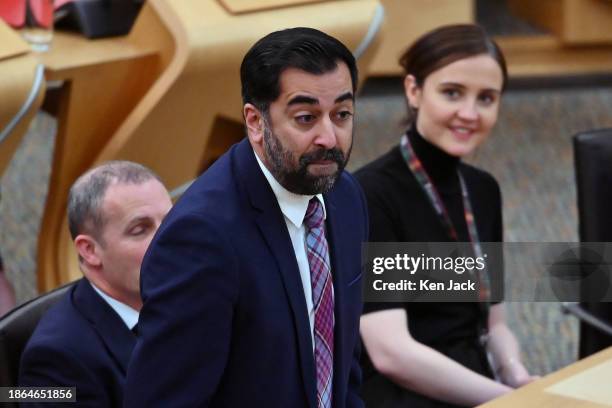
column 224, row 322
column 80, row 342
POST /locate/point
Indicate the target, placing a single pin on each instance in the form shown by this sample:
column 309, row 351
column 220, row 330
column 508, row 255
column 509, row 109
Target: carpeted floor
column 24, row 190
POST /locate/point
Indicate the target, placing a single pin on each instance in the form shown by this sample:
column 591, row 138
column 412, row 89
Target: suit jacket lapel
column 118, row 339
column 271, row 223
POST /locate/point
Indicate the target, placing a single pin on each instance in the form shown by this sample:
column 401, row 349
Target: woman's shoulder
column 483, row 187
column 381, row 164
column 473, row 174
column 381, row 171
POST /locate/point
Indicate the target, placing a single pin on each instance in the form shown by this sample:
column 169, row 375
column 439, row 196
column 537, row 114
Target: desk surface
column 11, row 43
column 536, row 394
column 73, row 51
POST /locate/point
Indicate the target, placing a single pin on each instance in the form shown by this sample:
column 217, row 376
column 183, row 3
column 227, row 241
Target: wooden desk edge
column 541, row 385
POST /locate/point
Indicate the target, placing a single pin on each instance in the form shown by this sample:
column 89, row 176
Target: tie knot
column 314, row 214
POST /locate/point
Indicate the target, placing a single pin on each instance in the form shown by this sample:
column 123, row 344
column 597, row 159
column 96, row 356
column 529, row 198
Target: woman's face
column 457, row 104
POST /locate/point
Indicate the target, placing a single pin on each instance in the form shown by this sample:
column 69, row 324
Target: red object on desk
column 14, row 11
column 42, row 11
column 60, row 3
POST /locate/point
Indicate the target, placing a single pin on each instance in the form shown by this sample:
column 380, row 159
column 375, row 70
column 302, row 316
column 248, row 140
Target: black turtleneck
column 440, row 166
column 442, row 169
column 400, row 211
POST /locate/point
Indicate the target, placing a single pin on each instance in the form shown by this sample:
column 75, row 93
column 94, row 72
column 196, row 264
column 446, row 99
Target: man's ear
column 254, row 121
column 412, row 91
column 88, row 249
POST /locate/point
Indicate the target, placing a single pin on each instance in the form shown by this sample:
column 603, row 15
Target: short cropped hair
column 87, row 194
column 303, row 48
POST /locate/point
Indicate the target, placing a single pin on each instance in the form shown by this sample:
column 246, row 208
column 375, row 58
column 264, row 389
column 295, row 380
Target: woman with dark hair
column 435, row 354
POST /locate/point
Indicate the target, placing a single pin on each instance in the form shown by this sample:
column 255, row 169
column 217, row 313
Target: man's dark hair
column 303, row 48
column 87, row 194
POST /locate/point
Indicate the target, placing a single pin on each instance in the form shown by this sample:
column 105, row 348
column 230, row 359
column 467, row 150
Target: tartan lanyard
column 415, row 165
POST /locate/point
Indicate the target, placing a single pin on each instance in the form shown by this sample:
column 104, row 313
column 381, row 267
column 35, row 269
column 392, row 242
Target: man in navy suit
column 86, row 339
column 252, row 285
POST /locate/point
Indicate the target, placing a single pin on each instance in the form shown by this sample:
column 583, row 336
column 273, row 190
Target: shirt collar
column 125, row 312
column 293, row 206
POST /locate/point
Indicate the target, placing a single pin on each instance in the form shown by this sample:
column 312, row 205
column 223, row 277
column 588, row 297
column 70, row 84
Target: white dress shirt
column 125, row 312
column 294, row 206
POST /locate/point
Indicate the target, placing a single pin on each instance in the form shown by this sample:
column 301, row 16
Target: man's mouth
column 322, row 167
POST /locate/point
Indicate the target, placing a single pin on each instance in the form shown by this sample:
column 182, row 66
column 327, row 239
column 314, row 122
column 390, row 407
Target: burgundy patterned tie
column 322, row 299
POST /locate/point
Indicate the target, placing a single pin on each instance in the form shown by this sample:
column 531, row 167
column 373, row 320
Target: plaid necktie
column 322, row 299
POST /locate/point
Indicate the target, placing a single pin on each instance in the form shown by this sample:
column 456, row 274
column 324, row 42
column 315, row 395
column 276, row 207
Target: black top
column 400, row 211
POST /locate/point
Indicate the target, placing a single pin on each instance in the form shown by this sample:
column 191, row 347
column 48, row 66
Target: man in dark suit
column 252, row 285
column 86, row 339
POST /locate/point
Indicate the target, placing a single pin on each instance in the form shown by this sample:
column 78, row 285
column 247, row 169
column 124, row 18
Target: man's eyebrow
column 345, row 96
column 137, row 220
column 299, row 99
column 309, row 100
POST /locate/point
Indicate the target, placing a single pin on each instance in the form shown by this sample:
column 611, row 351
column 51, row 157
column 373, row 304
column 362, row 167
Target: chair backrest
column 593, row 163
column 16, row 328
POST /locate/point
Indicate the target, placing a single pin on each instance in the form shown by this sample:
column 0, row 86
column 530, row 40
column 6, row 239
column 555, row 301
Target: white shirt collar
column 293, row 206
column 125, row 312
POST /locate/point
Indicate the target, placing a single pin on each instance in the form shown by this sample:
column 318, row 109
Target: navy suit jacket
column 224, row 322
column 80, row 342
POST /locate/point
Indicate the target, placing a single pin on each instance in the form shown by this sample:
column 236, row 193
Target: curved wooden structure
column 102, row 81
column 577, row 39
column 21, row 91
column 573, row 22
column 409, row 19
column 185, row 108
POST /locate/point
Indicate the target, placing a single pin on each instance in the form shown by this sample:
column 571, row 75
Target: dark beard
column 299, row 180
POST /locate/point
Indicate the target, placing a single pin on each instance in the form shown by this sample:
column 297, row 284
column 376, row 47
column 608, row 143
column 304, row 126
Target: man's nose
column 326, row 136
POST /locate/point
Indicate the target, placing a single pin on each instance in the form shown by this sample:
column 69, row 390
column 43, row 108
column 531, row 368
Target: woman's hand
column 513, row 373
column 505, row 351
